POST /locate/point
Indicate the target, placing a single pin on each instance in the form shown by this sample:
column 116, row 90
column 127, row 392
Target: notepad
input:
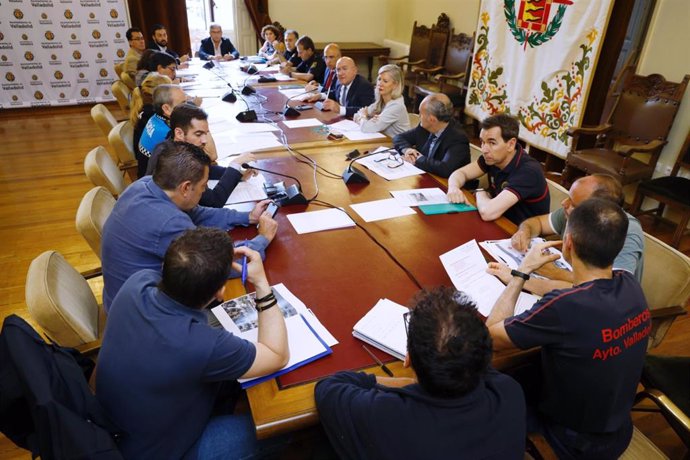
column 447, row 208
column 384, row 328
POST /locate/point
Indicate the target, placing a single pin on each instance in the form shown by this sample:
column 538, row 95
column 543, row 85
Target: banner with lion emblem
column 535, row 59
column 60, row 52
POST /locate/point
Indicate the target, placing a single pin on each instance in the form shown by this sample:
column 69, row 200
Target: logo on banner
column 96, row 34
column 69, row 14
column 120, row 53
column 84, row 92
column 25, row 41
column 12, row 86
column 113, row 13
column 29, row 56
column 103, row 73
column 49, row 35
column 18, row 14
column 71, row 23
column 532, row 25
column 2, row 36
column 38, row 96
column 9, row 76
column 19, row 23
column 76, row 55
column 44, row 19
column 58, row 75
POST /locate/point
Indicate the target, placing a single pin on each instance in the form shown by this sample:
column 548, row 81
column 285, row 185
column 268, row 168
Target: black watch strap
column 524, row 276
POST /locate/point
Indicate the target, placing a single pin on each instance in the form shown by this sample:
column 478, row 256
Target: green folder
column 447, row 208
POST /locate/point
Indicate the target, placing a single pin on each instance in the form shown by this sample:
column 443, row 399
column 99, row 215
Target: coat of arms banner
column 535, row 59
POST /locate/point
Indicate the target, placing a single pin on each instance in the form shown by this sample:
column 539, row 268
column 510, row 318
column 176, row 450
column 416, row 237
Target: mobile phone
column 303, row 107
column 334, row 136
column 272, row 208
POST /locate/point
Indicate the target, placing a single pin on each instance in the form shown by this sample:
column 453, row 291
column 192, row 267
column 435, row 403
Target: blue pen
column 244, row 270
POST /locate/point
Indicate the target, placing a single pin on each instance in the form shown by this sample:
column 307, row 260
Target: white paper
column 384, row 327
column 466, row 268
column 304, row 123
column 250, row 190
column 503, row 252
column 316, row 221
column 360, row 136
column 389, row 169
column 291, row 93
column 343, row 126
column 420, row 196
column 230, row 143
column 381, row 209
column 207, row 92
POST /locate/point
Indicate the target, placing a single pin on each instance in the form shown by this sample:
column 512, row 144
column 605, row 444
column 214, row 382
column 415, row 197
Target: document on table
column 291, row 93
column 381, row 209
column 502, row 251
column 388, row 167
column 230, row 143
column 250, row 190
column 384, row 328
column 308, row 339
column 420, row 196
column 343, row 126
column 305, row 123
column 466, row 268
column 360, row 136
column 316, row 221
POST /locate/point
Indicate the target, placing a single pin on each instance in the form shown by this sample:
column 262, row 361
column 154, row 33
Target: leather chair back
column 419, row 42
column 558, row 193
column 122, row 94
column 102, row 171
column 459, row 53
column 93, row 211
column 121, row 138
column 103, row 118
column 60, row 301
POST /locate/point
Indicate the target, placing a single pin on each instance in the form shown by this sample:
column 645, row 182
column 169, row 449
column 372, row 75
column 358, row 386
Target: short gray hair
column 442, row 110
column 163, row 95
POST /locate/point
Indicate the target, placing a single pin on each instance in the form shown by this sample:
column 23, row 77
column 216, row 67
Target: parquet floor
column 42, row 182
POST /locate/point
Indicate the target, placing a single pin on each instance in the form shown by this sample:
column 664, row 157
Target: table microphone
column 294, row 194
column 230, row 96
column 354, row 175
column 289, row 111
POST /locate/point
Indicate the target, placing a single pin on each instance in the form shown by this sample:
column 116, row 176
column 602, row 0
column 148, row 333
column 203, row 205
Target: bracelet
column 519, row 274
column 266, row 307
column 476, row 190
column 268, row 296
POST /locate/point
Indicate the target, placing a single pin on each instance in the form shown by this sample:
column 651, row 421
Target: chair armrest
column 538, row 447
column 428, row 70
column 411, row 63
column 648, row 147
column 93, row 273
column 671, row 412
column 89, row 348
column 385, row 57
column 451, row 76
column 589, row 130
column 668, row 312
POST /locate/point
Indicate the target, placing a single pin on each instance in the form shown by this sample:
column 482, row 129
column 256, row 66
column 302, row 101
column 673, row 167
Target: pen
column 378, row 361
column 244, row 270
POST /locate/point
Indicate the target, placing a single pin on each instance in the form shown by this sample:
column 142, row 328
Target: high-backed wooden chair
column 62, row 303
column 670, row 190
column 637, row 127
column 122, row 94
column 451, row 78
column 93, row 211
column 103, row 118
column 419, row 48
column 121, row 138
column 102, row 171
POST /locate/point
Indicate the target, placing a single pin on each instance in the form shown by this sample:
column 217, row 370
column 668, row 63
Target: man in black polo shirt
column 517, row 187
column 312, row 66
column 593, row 336
column 459, row 408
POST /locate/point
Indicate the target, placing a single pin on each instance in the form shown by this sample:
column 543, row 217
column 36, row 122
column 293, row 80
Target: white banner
column 60, row 52
column 535, row 59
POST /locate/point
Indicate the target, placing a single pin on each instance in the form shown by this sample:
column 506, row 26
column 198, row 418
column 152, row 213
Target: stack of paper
column 420, row 196
column 388, row 166
column 502, row 251
column 250, row 190
column 384, row 327
column 316, row 221
column 308, row 339
column 466, row 268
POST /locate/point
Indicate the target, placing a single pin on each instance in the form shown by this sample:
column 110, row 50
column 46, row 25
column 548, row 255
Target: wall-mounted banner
column 60, row 52
column 535, row 59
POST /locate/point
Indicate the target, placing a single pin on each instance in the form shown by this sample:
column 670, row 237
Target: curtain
column 171, row 13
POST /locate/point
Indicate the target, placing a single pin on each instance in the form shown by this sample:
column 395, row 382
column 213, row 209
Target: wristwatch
column 519, row 274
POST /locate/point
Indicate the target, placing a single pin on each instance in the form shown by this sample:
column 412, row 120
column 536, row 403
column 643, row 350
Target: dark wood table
column 356, row 50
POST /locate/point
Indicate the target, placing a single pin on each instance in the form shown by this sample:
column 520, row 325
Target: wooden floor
column 42, row 182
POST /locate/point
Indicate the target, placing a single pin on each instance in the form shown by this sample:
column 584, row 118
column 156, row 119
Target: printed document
column 316, row 221
column 381, row 209
column 384, row 327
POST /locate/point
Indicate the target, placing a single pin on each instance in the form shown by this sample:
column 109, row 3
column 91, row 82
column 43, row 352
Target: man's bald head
column 331, row 54
column 439, row 106
column 346, row 70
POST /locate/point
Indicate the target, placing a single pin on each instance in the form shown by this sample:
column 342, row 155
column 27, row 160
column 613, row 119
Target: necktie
column 329, row 79
column 343, row 95
column 430, row 145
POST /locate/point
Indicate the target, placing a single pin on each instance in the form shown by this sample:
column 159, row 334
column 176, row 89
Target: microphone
column 230, row 96
column 289, row 111
column 354, row 175
column 250, row 69
column 291, row 195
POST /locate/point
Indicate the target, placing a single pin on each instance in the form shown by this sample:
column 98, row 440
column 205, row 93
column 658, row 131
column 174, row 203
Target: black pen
column 378, row 361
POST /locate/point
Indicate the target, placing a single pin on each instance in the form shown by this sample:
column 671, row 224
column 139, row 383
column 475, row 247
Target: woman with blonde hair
column 388, row 113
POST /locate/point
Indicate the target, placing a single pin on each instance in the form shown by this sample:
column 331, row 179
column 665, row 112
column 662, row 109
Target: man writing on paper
column 189, row 123
column 331, row 54
column 630, row 258
column 517, row 187
column 162, row 370
column 438, row 144
column 153, row 211
column 216, row 47
column 458, row 404
column 593, row 336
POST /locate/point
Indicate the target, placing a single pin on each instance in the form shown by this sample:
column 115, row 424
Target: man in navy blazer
column 217, row 47
column 159, row 42
column 352, row 91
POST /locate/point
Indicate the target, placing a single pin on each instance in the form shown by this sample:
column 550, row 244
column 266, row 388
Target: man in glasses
column 137, row 45
column 458, row 404
column 438, row 144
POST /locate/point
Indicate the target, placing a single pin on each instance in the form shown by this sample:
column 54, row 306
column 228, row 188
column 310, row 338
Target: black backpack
column 46, row 405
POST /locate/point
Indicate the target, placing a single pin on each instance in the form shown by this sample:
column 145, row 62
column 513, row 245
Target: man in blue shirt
column 155, row 210
column 517, row 186
column 593, row 336
column 459, row 408
column 162, row 367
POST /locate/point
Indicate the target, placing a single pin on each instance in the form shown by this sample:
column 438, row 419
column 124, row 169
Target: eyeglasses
column 392, row 161
column 172, row 67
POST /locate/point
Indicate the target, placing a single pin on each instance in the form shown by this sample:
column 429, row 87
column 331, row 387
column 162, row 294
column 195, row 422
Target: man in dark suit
column 159, row 42
column 217, row 47
column 438, row 145
column 352, row 91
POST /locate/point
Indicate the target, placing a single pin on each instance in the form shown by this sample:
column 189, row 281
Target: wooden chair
column 414, row 119
column 103, row 118
column 103, row 172
column 62, row 303
column 127, row 80
column 451, row 78
column 671, row 190
column 638, row 125
column 122, row 94
column 92, row 213
column 121, row 138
